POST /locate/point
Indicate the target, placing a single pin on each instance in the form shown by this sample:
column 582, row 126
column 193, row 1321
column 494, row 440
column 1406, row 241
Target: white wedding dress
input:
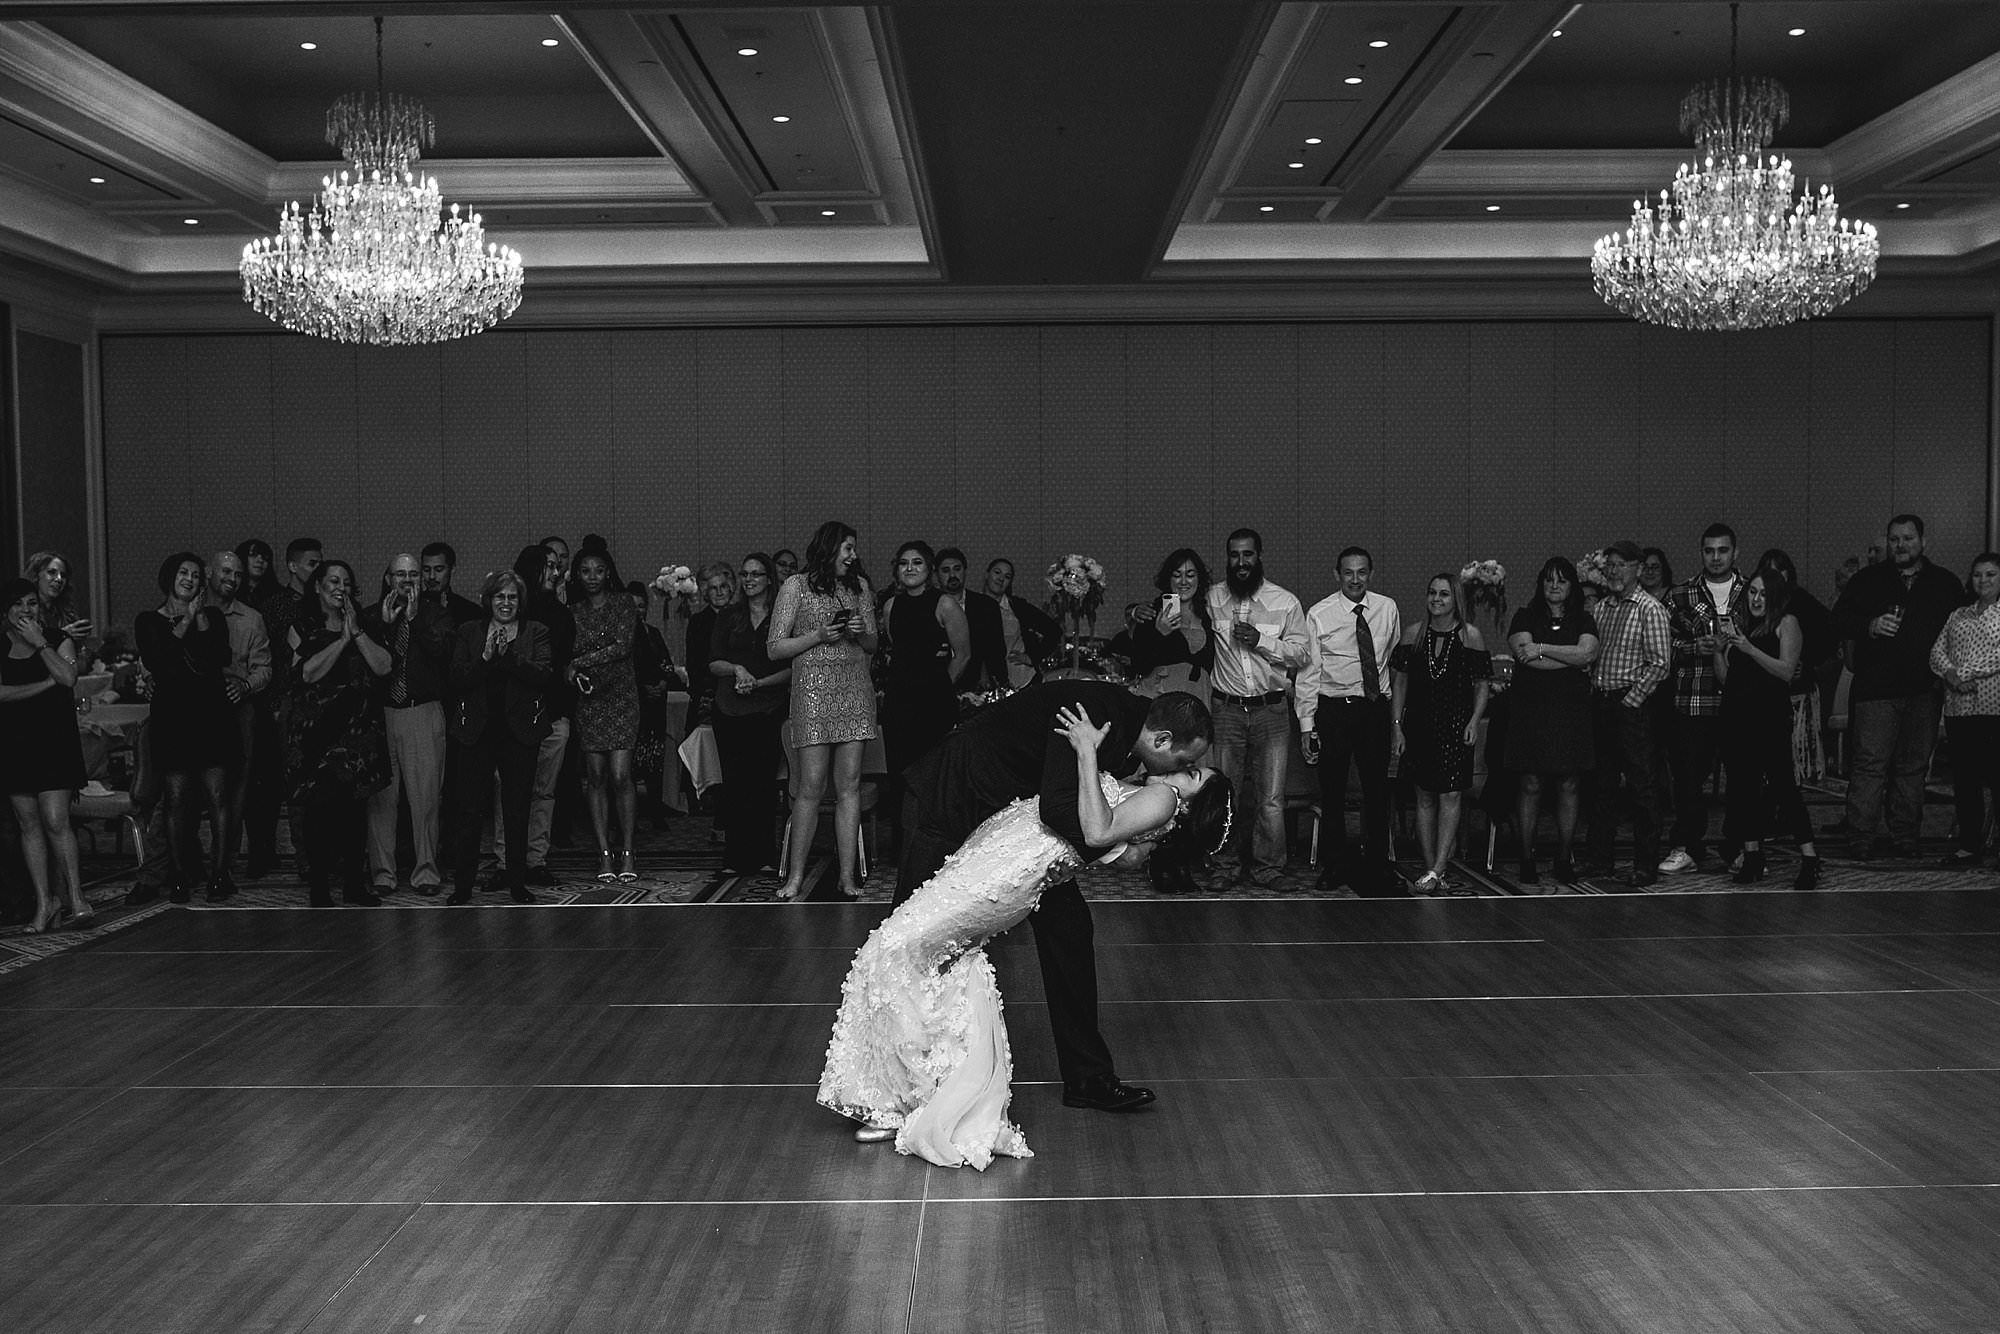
column 919, row 1044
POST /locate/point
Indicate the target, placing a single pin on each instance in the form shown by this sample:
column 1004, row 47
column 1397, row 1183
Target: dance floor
column 1759, row 1112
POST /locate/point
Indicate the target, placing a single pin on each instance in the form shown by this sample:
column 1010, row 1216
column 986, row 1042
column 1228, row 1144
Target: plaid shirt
column 1697, row 692
column 1635, row 645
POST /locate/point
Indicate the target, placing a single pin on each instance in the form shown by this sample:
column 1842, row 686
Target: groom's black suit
column 1008, row 750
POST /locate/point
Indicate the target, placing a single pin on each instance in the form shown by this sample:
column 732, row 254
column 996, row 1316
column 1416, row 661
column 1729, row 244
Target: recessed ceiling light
column 1267, row 208
column 97, row 180
column 1557, row 33
column 1796, row 32
column 308, row 46
column 746, row 50
column 192, row 222
column 1492, row 208
column 1902, row 206
column 1352, row 78
column 781, row 120
column 1295, row 166
column 1313, row 141
column 827, row 212
column 1378, row 43
column 550, row 41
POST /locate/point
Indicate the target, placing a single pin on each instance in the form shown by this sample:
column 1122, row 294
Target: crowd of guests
column 284, row 690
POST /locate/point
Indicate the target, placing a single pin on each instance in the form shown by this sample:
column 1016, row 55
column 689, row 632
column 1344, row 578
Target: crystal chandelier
column 1730, row 248
column 376, row 260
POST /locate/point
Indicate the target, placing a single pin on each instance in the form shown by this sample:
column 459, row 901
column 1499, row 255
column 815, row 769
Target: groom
column 1009, row 750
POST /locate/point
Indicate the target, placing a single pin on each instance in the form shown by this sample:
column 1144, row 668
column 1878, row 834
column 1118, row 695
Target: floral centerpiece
column 1590, row 572
column 1076, row 591
column 676, row 581
column 1482, row 590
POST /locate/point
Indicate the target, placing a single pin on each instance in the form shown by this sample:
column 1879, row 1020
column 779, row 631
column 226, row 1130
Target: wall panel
column 55, row 488
column 1431, row 443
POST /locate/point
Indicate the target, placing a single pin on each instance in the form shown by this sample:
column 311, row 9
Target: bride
column 919, row 1052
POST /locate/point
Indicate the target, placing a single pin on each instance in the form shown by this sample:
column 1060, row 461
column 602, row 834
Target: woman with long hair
column 929, row 644
column 1819, row 644
column 1174, row 648
column 41, row 762
column 601, row 672
column 1757, row 655
column 336, row 752
column 260, row 573
column 191, row 729
column 51, row 574
column 1441, row 672
column 1966, row 657
column 1656, row 572
column 824, row 626
column 1554, row 641
column 750, row 694
column 498, row 716
column 264, row 592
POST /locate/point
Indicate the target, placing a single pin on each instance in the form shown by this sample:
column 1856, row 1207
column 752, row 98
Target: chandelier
column 1729, row 247
column 376, row 259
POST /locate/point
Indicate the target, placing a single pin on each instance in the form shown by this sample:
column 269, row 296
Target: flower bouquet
column 1076, row 591
column 1482, row 590
column 676, row 581
column 1590, row 572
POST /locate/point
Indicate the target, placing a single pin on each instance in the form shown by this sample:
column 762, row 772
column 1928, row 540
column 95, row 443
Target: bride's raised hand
column 1073, row 721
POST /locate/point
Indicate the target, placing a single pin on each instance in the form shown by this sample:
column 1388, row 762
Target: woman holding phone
column 1176, row 640
column 824, row 625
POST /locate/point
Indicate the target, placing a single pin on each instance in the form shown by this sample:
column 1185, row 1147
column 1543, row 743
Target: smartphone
column 1170, row 609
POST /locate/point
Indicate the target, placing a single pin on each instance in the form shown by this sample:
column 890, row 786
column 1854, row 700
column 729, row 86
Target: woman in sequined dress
column 919, row 1052
column 607, row 704
column 824, row 625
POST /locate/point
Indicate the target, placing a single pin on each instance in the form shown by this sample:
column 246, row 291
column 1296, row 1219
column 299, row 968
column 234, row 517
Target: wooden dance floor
column 1760, row 1112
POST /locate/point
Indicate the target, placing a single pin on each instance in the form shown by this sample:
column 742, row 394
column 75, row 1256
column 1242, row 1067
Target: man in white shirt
column 1260, row 640
column 1343, row 705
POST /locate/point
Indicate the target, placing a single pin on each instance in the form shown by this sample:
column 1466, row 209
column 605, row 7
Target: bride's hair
column 1191, row 842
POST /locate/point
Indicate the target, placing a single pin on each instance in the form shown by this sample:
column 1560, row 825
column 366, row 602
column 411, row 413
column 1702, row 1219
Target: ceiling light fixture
column 550, row 41
column 1731, row 248
column 1898, row 206
column 746, row 50
column 1492, row 208
column 373, row 261
column 1796, row 32
column 99, row 180
column 308, row 46
column 1557, row 33
column 827, row 212
column 781, row 120
column 192, row 222
column 1295, row 166
column 1267, row 208
column 1378, row 44
column 1352, row 79
column 1314, row 141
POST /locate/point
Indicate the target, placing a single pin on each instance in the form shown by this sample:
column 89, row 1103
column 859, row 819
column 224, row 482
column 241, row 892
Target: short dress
column 832, row 698
column 42, row 752
column 919, row 705
column 335, row 748
column 607, row 718
column 1548, row 720
column 1441, row 674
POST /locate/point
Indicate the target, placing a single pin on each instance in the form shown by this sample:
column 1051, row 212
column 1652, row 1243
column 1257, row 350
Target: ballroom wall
column 1431, row 443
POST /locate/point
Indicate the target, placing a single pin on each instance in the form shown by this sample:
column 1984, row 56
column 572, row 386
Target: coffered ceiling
column 934, row 146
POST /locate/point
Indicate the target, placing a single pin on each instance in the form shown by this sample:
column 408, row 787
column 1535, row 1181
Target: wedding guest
column 1819, row 645
column 49, row 571
column 1174, row 649
column 301, row 608
column 1343, row 704
column 501, row 667
column 41, row 764
column 263, row 797
column 540, row 570
column 1554, row 641
column 1436, row 702
column 1010, row 636
column 1757, row 655
column 294, row 614
column 415, row 631
column 718, row 590
column 193, row 736
column 558, row 549
column 1693, row 732
column 929, row 647
column 603, row 673
column 245, row 681
column 1635, row 655
column 784, row 564
column 1966, row 657
column 439, row 560
column 336, row 754
column 750, row 699
column 1893, row 611
column 951, row 568
column 1656, row 572
column 658, row 674
column 824, row 626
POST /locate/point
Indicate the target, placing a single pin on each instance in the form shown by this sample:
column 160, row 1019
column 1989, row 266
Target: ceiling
column 934, row 146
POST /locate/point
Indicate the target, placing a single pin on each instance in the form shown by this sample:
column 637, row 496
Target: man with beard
column 1265, row 642
column 1694, row 728
column 439, row 561
column 1009, row 635
column 1893, row 612
column 1344, row 718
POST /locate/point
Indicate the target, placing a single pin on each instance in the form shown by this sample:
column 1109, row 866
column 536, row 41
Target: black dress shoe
column 1106, row 1094
column 463, row 894
column 179, row 894
column 541, row 875
column 522, row 894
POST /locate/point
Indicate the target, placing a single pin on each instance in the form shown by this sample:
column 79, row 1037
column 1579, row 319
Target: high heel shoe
column 1808, row 877
column 46, row 922
column 868, row 1134
column 628, row 868
column 605, row 875
column 1752, row 869
column 79, row 921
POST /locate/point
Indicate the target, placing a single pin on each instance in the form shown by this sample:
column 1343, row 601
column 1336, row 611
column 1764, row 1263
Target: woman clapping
column 336, row 752
column 42, row 760
column 498, row 715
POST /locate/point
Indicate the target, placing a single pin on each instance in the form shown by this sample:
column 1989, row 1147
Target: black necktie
column 1364, row 644
column 399, row 684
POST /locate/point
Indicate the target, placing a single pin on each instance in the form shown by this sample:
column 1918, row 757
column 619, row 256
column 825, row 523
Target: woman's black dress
column 192, row 725
column 918, row 704
column 42, row 752
column 1441, row 674
column 1548, row 711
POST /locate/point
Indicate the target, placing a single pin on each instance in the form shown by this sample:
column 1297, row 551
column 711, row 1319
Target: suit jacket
column 1040, row 636
column 525, row 664
column 1009, row 749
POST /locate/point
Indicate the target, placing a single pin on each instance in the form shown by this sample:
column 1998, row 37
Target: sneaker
column 1678, row 861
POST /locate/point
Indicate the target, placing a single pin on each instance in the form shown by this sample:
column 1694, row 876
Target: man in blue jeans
column 1893, row 612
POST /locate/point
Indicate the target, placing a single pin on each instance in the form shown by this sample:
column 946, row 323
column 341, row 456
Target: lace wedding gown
column 919, row 1044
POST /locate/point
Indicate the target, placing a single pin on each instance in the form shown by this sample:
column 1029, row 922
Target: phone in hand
column 1170, row 610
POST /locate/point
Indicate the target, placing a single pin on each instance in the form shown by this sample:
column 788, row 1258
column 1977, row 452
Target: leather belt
column 1248, row 701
